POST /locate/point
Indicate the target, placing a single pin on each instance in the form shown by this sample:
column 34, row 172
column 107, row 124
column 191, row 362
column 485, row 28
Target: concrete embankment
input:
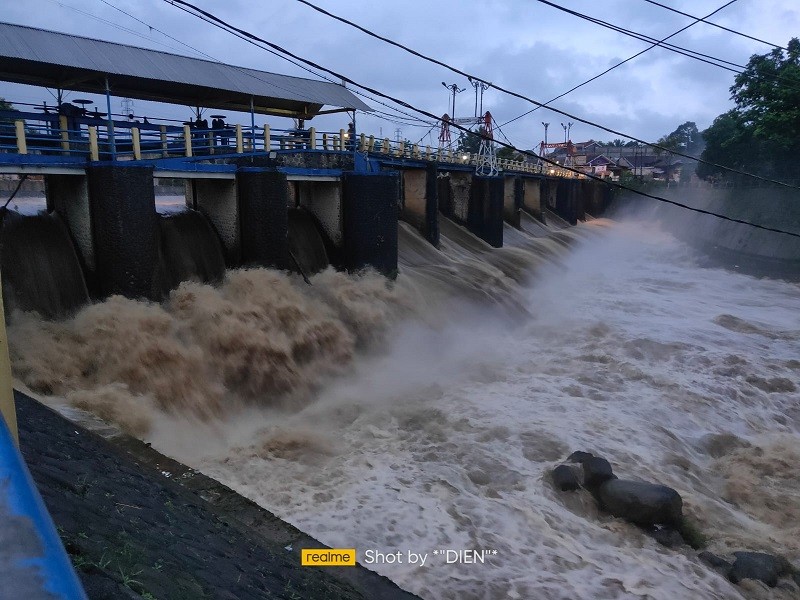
column 738, row 245
column 139, row 525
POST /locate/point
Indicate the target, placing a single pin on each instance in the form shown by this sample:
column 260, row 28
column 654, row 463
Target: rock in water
column 640, row 502
column 579, row 456
column 715, row 561
column 666, row 536
column 596, row 471
column 564, row 479
column 758, row 565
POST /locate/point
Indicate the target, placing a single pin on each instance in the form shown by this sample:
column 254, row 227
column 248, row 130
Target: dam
column 254, row 197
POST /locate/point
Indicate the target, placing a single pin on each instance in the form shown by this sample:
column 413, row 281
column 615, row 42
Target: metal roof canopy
column 58, row 60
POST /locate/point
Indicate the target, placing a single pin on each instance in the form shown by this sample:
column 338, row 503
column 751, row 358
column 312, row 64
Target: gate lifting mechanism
column 487, row 156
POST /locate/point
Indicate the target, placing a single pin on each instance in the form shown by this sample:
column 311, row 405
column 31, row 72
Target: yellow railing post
column 187, row 139
column 342, row 138
column 371, row 143
column 362, row 143
column 312, row 138
column 385, row 146
column 137, row 143
column 6, row 387
column 324, row 141
column 427, row 152
column 267, row 138
column 22, row 142
column 415, row 151
column 94, row 151
column 239, row 140
column 401, row 149
column 62, row 123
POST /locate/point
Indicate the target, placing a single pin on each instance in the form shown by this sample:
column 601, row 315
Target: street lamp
column 546, row 125
column 477, row 84
column 456, row 90
column 566, row 127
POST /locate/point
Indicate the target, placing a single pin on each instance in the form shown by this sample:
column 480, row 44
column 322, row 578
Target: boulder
column 579, row 457
column 666, row 536
column 564, row 479
column 758, row 565
column 640, row 502
column 712, row 560
column 596, row 471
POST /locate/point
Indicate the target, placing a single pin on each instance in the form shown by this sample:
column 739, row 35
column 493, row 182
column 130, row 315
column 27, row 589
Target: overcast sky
column 523, row 45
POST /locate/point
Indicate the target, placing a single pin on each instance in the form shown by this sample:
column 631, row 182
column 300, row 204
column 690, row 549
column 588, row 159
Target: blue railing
column 38, row 566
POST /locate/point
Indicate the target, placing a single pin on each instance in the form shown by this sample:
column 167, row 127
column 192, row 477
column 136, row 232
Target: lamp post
column 565, row 132
column 569, row 127
column 546, row 125
column 479, row 85
column 455, row 90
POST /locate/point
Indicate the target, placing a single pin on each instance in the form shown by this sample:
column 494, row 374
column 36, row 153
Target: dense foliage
column 762, row 133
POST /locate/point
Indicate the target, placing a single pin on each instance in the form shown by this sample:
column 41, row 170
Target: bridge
column 295, row 198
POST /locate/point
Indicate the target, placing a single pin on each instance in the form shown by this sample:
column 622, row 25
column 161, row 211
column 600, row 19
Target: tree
column 762, row 133
column 469, row 142
column 685, row 139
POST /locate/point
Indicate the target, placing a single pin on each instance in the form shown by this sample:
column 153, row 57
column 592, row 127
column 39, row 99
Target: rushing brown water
column 426, row 413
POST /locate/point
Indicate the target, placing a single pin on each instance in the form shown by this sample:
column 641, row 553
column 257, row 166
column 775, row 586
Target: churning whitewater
column 427, row 413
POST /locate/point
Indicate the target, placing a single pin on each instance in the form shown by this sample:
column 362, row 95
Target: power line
column 706, row 58
column 690, row 53
column 718, row 26
column 245, row 71
column 630, row 58
column 253, row 39
column 516, row 94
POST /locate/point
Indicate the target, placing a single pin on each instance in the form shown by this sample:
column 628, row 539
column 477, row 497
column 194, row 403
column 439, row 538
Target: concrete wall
column 323, row 199
column 532, row 196
column 460, row 185
column 68, row 195
column 217, row 200
column 420, row 206
column 511, row 200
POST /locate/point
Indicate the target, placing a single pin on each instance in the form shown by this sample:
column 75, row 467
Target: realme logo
column 328, row 557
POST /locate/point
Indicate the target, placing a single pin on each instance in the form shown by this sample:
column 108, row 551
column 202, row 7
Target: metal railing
column 91, row 138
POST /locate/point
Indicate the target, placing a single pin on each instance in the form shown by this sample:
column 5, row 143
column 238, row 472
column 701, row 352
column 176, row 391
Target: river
column 426, row 415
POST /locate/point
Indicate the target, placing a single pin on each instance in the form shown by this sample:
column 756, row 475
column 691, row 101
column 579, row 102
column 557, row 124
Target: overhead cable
column 220, row 23
column 505, row 90
column 619, row 64
column 717, row 25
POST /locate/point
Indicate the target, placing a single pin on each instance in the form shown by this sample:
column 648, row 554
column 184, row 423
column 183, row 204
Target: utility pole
column 546, row 125
column 565, row 132
column 455, row 90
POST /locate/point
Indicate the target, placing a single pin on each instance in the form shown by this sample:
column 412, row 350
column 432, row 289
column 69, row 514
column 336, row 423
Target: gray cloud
column 520, row 44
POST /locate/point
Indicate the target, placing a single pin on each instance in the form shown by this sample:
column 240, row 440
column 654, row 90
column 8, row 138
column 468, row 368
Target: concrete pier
column 125, row 230
column 263, row 217
column 370, row 208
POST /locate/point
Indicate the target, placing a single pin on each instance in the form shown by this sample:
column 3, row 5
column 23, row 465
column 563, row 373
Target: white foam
column 445, row 440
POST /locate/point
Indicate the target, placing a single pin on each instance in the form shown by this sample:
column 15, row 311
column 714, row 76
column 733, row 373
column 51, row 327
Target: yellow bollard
column 187, row 139
column 312, row 138
column 62, row 123
column 6, row 388
column 239, row 140
column 22, row 142
column 137, row 143
column 94, row 151
column 267, row 138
